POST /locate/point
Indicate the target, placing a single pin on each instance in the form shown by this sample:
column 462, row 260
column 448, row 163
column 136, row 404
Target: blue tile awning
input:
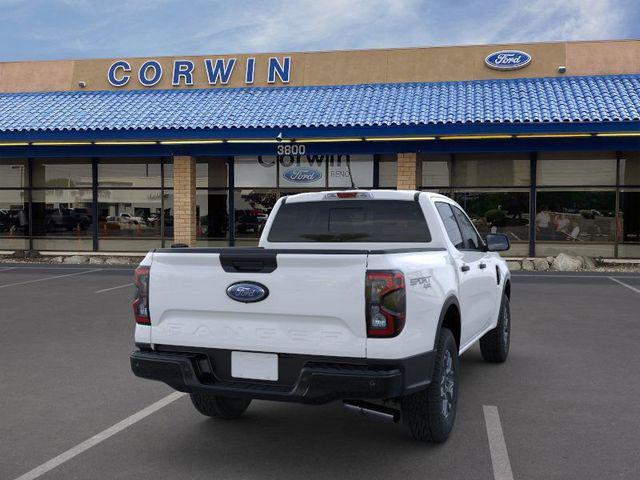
column 446, row 106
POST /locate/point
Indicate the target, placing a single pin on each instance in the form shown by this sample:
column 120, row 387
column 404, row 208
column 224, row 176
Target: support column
column 407, row 171
column 184, row 200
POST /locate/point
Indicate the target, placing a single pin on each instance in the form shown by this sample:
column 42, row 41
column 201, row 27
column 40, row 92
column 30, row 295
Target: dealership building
column 539, row 141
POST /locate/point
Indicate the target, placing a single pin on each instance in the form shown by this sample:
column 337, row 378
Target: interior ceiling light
column 329, row 140
column 190, row 142
column 475, row 137
column 125, row 142
column 619, row 134
column 397, row 139
column 56, row 144
column 553, row 135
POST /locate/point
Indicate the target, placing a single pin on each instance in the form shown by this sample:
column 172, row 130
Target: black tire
column 214, row 406
column 494, row 345
column 431, row 413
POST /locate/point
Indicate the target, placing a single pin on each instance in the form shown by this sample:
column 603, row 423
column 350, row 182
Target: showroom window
column 62, row 216
column 576, row 203
column 387, row 171
column 14, row 205
column 491, row 188
column 130, row 203
column 212, row 202
column 629, row 205
column 581, row 205
column 260, row 181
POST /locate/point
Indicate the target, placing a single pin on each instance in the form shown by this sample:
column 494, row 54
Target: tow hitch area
column 372, row 410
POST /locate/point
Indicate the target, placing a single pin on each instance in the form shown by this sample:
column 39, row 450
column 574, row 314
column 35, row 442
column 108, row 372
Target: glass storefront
column 260, row 181
column 490, row 187
column 576, row 203
column 576, row 209
column 583, row 202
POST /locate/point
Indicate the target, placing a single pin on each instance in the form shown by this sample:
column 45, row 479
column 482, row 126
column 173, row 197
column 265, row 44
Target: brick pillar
column 184, row 200
column 408, row 171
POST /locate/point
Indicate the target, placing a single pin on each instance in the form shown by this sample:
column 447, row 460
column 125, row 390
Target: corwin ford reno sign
column 507, row 60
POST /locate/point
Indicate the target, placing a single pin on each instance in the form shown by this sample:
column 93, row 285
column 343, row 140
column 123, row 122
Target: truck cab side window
column 450, row 224
column 469, row 234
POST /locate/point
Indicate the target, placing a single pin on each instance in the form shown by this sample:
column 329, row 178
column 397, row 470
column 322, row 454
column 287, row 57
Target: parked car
column 67, row 219
column 248, row 224
column 368, row 297
column 128, row 218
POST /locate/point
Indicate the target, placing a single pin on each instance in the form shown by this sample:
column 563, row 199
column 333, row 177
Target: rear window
column 350, row 221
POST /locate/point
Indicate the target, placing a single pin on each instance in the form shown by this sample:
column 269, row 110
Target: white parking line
column 48, row 278
column 114, row 288
column 624, row 284
column 100, row 437
column 48, row 266
column 497, row 445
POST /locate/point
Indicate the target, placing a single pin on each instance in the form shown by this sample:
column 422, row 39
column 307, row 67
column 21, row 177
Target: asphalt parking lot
column 567, row 398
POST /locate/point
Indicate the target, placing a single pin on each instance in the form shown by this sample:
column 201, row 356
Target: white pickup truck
column 363, row 296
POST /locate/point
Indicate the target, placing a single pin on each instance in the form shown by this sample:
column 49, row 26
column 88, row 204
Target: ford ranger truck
column 368, row 297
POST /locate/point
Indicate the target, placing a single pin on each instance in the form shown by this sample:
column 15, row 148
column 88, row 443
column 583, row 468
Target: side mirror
column 497, row 242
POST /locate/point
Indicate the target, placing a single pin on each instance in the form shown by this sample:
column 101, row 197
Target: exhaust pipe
column 372, row 410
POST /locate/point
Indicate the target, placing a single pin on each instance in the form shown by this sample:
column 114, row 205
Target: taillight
column 386, row 303
column 141, row 299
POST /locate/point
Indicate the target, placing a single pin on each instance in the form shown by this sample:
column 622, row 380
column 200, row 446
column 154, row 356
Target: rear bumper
column 319, row 380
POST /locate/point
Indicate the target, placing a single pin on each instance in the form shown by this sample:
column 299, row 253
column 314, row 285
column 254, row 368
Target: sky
column 68, row 29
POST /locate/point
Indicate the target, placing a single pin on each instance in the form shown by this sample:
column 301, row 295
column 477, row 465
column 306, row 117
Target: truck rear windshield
column 350, row 221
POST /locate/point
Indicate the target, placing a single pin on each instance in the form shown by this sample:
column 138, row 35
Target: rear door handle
column 483, row 265
column 465, row 268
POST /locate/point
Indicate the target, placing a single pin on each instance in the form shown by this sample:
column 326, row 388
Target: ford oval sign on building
column 302, row 175
column 507, row 60
column 247, row 292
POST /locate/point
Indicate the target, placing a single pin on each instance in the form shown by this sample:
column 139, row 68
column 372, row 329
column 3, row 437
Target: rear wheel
column 430, row 413
column 494, row 345
column 227, row 408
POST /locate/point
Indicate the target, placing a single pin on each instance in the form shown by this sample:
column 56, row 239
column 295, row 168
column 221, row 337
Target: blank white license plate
column 256, row 366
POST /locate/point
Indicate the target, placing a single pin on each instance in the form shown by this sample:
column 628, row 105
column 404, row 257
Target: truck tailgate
column 315, row 305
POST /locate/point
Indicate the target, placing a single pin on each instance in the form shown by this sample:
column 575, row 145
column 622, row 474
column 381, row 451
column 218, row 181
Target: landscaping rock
column 116, row 261
column 56, row 260
column 550, row 260
column 514, row 266
column 76, row 259
column 540, row 264
column 588, row 263
column 96, row 260
column 527, row 265
column 566, row 263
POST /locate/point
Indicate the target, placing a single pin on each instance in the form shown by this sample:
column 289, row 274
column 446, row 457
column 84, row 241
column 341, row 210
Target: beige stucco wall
column 345, row 67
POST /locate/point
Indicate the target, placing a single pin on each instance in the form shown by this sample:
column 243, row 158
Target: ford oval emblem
column 508, row 60
column 247, row 292
column 302, row 175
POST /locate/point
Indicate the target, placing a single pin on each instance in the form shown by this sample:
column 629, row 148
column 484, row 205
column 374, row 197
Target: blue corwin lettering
column 143, row 73
column 251, row 70
column 112, row 74
column 219, row 71
column 182, row 69
column 281, row 70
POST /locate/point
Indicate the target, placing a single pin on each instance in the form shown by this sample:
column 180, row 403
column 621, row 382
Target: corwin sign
column 218, row 71
column 507, row 60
